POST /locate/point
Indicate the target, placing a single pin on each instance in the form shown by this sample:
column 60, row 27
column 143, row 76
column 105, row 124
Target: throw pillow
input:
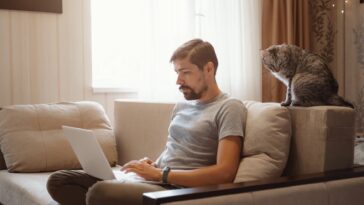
column 266, row 143
column 32, row 140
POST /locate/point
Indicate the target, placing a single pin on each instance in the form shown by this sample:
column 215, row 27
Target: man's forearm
column 214, row 174
column 224, row 171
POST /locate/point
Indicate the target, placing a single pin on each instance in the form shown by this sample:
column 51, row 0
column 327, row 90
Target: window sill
column 114, row 90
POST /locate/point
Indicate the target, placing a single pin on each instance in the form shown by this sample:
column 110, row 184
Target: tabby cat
column 308, row 79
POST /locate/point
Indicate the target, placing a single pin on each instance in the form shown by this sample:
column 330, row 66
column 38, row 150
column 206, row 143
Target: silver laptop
column 91, row 156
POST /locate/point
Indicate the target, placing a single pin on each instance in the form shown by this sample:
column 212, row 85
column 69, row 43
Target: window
column 132, row 41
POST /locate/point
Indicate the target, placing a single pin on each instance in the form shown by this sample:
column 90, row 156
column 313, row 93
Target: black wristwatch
column 165, row 173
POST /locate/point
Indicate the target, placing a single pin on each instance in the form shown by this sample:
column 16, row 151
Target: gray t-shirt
column 196, row 128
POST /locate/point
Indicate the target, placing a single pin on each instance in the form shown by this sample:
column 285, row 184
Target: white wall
column 46, row 57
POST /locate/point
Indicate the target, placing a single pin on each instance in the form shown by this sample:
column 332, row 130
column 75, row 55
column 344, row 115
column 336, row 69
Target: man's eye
column 183, row 72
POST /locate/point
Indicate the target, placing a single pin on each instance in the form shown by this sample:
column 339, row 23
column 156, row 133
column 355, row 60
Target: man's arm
column 224, row 171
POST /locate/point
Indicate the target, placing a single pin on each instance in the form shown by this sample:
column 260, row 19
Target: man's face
column 190, row 79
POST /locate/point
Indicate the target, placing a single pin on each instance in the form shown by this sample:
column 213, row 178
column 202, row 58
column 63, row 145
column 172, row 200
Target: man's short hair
column 198, row 51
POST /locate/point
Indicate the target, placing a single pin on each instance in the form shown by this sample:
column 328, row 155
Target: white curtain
column 160, row 26
column 236, row 35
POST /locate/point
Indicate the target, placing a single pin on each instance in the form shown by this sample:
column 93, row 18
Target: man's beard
column 192, row 95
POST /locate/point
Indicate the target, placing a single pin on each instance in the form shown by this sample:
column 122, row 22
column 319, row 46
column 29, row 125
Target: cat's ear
column 286, row 48
column 284, row 44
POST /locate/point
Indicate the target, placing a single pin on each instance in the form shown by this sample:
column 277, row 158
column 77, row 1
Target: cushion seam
column 42, row 137
column 80, row 115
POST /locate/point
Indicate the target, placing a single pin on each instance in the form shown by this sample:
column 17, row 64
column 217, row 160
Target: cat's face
column 276, row 57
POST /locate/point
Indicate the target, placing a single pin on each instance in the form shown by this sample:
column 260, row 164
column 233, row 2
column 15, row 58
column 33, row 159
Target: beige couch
column 322, row 139
column 310, row 140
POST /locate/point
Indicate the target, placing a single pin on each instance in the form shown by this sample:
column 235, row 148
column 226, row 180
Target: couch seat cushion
column 24, row 188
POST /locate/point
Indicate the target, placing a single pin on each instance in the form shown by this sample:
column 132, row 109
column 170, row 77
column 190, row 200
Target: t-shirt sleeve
column 175, row 110
column 231, row 119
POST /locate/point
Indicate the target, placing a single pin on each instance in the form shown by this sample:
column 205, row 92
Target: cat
column 308, row 79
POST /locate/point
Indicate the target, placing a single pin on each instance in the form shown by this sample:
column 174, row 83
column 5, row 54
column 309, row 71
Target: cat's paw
column 285, row 104
column 296, row 103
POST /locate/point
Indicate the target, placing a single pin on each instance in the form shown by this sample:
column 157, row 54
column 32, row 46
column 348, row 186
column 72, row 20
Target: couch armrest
column 161, row 197
column 322, row 139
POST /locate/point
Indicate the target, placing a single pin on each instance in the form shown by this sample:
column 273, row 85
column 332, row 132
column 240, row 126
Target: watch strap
column 165, row 173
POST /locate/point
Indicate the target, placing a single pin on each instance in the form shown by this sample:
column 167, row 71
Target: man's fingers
column 146, row 160
column 132, row 164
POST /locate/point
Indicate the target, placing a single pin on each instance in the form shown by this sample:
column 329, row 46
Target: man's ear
column 210, row 68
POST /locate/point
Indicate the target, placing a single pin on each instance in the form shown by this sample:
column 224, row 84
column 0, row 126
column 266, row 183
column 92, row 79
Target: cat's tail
column 339, row 101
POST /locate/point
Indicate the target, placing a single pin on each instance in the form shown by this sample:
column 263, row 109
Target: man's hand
column 144, row 168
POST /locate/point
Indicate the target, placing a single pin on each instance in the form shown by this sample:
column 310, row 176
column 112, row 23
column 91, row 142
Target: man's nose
column 179, row 80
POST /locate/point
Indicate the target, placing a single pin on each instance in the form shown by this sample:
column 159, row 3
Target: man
column 203, row 146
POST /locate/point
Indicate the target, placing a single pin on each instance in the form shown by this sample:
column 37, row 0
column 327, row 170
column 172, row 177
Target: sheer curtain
column 235, row 33
column 160, row 26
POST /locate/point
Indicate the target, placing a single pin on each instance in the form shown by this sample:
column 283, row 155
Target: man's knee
column 115, row 192
column 56, row 181
column 69, row 186
column 97, row 193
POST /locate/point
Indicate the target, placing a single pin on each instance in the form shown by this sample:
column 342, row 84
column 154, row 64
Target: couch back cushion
column 322, row 139
column 141, row 128
column 267, row 141
column 32, row 140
